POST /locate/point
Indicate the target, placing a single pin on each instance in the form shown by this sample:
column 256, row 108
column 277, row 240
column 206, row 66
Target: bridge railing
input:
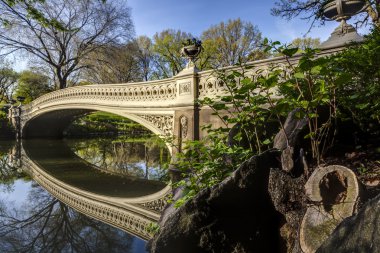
column 210, row 86
column 152, row 93
column 158, row 93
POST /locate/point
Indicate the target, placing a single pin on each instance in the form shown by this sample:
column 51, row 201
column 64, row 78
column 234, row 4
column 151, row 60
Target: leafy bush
column 359, row 97
column 3, row 115
column 324, row 90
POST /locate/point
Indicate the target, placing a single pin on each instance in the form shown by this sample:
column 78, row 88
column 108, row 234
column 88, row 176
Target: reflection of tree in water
column 46, row 225
column 9, row 170
column 145, row 159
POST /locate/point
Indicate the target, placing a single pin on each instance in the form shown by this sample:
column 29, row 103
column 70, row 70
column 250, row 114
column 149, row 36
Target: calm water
column 31, row 220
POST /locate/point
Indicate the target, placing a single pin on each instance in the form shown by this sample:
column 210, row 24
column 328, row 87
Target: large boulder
column 288, row 197
column 359, row 233
column 234, row 216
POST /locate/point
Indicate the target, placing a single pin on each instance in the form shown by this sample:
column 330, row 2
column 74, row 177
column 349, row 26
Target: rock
column 169, row 208
column 289, row 199
column 293, row 132
column 359, row 233
column 234, row 216
column 334, row 193
column 289, row 140
column 287, row 159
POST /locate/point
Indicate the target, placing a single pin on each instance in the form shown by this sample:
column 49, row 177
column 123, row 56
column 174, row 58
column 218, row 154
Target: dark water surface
column 31, row 220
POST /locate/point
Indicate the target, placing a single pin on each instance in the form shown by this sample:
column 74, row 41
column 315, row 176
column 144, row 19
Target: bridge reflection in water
column 128, row 203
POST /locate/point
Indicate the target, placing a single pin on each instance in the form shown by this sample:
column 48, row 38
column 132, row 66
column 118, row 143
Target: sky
column 195, row 16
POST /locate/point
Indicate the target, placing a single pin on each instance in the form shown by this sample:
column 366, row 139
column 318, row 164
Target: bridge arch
column 53, row 120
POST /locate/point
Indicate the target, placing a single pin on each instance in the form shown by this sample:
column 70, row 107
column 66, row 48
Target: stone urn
column 192, row 50
column 342, row 9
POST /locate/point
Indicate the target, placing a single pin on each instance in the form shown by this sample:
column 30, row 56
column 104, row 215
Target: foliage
column 359, row 97
column 153, row 228
column 105, row 123
column 8, row 78
column 32, row 85
column 3, row 116
column 167, row 47
column 192, row 41
column 224, row 44
column 322, row 90
column 72, row 30
column 229, row 43
column 304, row 43
column 245, row 132
column 113, row 64
column 32, row 11
column 145, row 56
column 311, row 88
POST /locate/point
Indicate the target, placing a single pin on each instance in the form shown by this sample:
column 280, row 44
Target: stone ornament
column 162, row 122
column 334, row 190
column 184, row 126
column 156, row 205
column 210, row 86
column 184, row 88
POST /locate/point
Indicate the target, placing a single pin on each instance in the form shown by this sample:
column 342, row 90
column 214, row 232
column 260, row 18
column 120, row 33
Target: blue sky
column 195, row 16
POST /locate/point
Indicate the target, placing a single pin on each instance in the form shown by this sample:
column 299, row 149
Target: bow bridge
column 166, row 107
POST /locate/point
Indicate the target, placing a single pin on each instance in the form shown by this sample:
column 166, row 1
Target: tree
column 303, row 43
column 312, row 9
column 75, row 29
column 230, row 43
column 167, row 47
column 8, row 78
column 32, row 11
column 32, row 85
column 114, row 64
column 145, row 56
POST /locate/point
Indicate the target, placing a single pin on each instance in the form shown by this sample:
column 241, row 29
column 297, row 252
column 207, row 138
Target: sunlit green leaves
column 346, row 82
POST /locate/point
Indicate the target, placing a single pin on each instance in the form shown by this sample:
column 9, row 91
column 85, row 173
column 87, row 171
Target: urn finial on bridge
column 191, row 50
column 342, row 10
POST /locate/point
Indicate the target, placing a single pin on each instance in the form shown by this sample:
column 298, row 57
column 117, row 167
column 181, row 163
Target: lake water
column 32, row 220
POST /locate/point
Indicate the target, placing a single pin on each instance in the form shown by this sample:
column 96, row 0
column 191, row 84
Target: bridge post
column 14, row 116
column 186, row 116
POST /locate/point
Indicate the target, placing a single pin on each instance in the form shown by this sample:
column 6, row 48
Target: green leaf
column 362, row 106
column 226, row 99
column 290, row 51
column 299, row 75
column 316, row 70
column 266, row 142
